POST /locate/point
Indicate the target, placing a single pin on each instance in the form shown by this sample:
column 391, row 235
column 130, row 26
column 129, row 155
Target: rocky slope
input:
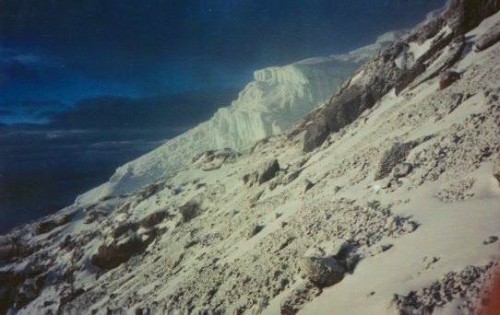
column 383, row 201
column 278, row 98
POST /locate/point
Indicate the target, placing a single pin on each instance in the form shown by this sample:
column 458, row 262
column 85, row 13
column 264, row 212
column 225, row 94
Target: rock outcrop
column 447, row 78
column 396, row 67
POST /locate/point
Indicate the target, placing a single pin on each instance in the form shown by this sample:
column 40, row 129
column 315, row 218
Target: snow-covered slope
column 271, row 104
column 395, row 212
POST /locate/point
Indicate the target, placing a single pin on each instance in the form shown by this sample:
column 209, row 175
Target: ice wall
column 271, row 104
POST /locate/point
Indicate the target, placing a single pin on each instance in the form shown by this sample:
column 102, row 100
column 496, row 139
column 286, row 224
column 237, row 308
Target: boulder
column 189, row 210
column 322, row 271
column 315, row 135
column 124, row 228
column 214, row 159
column 252, row 230
column 111, row 256
column 49, row 225
column 154, row 219
column 490, row 240
column 395, row 155
column 447, row 78
column 12, row 250
column 308, row 185
column 150, row 190
column 250, row 179
column 269, row 171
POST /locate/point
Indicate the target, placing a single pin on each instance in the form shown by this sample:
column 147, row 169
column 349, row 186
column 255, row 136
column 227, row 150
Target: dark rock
column 250, row 179
column 124, row 228
column 94, row 215
column 214, row 159
column 396, row 154
column 253, row 230
column 67, row 243
column 189, row 210
column 315, row 135
column 111, row 256
column 13, row 250
column 29, row 291
column 7, row 296
column 464, row 15
column 154, row 219
column 322, row 271
column 269, row 171
column 49, row 225
column 447, row 78
column 490, row 240
column 151, row 190
column 402, row 170
column 308, row 185
column 70, row 296
column 290, row 177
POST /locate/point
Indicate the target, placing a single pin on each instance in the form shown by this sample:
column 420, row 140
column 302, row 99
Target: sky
column 55, row 53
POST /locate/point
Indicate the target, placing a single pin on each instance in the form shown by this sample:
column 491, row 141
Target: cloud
column 13, row 71
column 160, row 112
column 29, row 111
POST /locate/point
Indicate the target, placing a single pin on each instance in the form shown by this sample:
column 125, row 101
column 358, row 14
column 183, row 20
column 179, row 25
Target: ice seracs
column 271, row 104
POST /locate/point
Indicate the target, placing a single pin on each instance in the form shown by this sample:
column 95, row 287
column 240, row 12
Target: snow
column 418, row 50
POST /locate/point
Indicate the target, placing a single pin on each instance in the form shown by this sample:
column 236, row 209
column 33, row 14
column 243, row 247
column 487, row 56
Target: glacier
column 271, row 104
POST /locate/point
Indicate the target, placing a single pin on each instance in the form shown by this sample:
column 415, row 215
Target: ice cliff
column 272, row 103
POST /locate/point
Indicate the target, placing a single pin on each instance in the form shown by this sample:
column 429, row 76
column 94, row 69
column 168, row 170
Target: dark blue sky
column 61, row 51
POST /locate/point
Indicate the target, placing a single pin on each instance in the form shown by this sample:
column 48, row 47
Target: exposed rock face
column 111, row 256
column 11, row 249
column 189, row 210
column 49, row 225
column 214, row 159
column 464, row 15
column 268, row 171
column 397, row 67
column 447, row 78
column 154, row 219
column 125, row 228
